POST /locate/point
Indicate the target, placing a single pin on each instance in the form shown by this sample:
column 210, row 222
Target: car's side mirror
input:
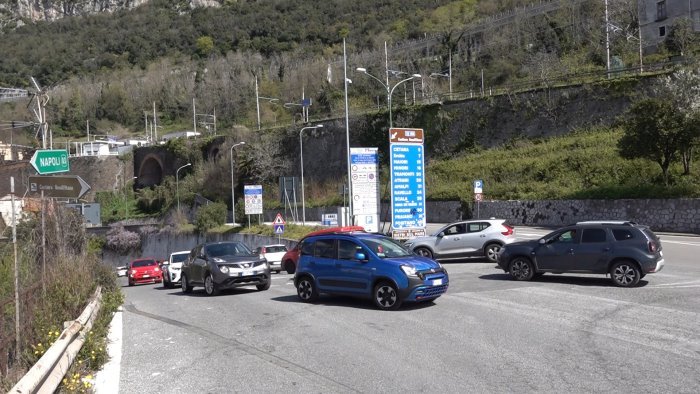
column 542, row 241
column 440, row 234
column 360, row 256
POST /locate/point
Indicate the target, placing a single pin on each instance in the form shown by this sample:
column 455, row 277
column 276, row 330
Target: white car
column 273, row 254
column 121, row 271
column 173, row 269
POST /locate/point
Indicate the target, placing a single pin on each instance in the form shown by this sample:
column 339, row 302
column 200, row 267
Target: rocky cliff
column 15, row 13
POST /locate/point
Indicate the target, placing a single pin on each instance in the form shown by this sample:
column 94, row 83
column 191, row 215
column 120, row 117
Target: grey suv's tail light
column 652, row 246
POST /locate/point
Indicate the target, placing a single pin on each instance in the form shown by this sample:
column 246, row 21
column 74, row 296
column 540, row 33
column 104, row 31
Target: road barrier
column 47, row 373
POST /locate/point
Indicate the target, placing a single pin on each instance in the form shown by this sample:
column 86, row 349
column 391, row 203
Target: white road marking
column 665, row 241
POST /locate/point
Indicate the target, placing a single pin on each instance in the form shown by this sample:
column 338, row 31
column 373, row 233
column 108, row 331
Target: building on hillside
column 657, row 17
column 180, row 134
column 14, row 152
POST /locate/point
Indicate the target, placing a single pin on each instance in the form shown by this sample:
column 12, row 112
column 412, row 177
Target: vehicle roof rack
column 609, row 222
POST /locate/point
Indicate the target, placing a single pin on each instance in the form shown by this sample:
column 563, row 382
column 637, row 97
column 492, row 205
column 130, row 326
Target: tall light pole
column 233, row 201
column 447, row 75
column 388, row 87
column 177, row 185
column 301, row 154
column 351, row 221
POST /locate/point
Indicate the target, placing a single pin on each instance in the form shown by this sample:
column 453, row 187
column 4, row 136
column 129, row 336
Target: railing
column 47, row 373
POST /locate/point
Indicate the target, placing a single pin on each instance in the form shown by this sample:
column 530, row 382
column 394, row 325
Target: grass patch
column 578, row 165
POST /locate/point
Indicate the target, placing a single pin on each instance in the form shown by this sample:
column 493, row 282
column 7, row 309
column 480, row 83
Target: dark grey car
column 224, row 265
column 625, row 250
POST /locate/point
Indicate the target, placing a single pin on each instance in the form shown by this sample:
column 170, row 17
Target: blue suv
column 369, row 266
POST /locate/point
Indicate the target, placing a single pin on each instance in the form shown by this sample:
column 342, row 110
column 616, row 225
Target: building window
column 661, row 10
column 662, row 31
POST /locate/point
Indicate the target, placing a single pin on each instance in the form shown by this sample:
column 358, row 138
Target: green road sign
column 50, row 161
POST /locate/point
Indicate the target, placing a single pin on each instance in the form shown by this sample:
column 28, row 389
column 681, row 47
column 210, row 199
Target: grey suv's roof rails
column 611, row 222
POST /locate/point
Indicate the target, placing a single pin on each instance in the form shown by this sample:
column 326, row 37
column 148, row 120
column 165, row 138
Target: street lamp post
column 389, row 89
column 233, row 201
column 301, row 154
column 177, row 185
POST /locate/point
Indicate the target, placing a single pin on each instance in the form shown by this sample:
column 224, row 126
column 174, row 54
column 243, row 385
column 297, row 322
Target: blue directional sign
column 407, row 183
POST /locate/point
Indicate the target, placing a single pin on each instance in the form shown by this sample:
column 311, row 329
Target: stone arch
column 151, row 171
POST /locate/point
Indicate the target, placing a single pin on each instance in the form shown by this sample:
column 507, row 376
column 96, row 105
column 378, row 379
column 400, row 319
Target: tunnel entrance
column 151, row 172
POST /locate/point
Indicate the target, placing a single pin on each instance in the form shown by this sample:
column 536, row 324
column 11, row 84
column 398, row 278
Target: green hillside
column 581, row 165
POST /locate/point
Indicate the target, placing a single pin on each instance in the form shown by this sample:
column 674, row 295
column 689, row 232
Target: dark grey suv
column 625, row 250
column 224, row 265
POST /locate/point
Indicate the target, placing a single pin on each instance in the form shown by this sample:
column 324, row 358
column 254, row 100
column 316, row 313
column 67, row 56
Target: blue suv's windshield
column 386, row 247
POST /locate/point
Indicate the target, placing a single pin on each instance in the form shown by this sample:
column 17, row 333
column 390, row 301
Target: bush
column 121, row 240
column 210, row 216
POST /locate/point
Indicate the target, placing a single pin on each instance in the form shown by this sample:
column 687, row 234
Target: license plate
column 146, row 276
column 437, row 282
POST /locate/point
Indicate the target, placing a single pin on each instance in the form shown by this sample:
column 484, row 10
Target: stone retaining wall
column 673, row 215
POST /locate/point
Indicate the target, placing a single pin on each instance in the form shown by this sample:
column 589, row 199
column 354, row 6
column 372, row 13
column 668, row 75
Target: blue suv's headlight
column 408, row 270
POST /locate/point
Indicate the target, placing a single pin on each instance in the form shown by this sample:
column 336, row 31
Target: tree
column 205, row 45
column 682, row 90
column 210, row 216
column 654, row 131
column 682, row 37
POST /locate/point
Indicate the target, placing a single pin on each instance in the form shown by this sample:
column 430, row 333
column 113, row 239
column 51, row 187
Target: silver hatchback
column 470, row 238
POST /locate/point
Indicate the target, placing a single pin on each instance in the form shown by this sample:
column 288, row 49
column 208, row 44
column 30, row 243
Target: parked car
column 273, row 254
column 465, row 239
column 224, row 265
column 290, row 258
column 144, row 271
column 173, row 267
column 366, row 265
column 121, row 271
column 625, row 250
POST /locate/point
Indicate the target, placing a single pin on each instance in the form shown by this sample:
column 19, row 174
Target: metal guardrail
column 47, row 373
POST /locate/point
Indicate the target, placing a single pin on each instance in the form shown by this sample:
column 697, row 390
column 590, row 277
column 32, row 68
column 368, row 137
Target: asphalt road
column 561, row 333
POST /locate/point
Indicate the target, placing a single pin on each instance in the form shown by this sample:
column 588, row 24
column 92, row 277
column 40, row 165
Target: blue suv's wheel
column 386, row 297
column 306, row 289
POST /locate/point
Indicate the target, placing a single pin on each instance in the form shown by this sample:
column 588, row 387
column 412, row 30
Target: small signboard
column 278, row 224
column 329, row 219
column 478, row 197
column 253, row 199
column 279, row 228
column 478, row 186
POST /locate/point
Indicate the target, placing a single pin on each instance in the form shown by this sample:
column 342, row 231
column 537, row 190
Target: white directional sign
column 364, row 171
column 253, row 199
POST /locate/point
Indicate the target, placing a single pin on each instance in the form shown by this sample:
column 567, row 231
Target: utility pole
column 607, row 40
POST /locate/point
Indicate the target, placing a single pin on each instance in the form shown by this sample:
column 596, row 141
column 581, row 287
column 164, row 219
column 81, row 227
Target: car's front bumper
column 239, row 279
column 428, row 288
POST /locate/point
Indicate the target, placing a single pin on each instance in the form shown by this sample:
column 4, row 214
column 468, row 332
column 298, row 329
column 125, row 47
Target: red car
column 144, row 271
column 289, row 260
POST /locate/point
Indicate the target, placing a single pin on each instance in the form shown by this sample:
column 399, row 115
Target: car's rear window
column 143, row 263
column 622, row 234
column 275, row 249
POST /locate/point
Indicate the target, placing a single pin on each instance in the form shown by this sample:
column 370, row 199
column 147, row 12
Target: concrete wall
column 673, row 215
column 160, row 245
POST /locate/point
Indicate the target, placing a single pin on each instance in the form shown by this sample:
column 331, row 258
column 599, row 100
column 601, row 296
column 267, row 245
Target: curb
column 107, row 379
